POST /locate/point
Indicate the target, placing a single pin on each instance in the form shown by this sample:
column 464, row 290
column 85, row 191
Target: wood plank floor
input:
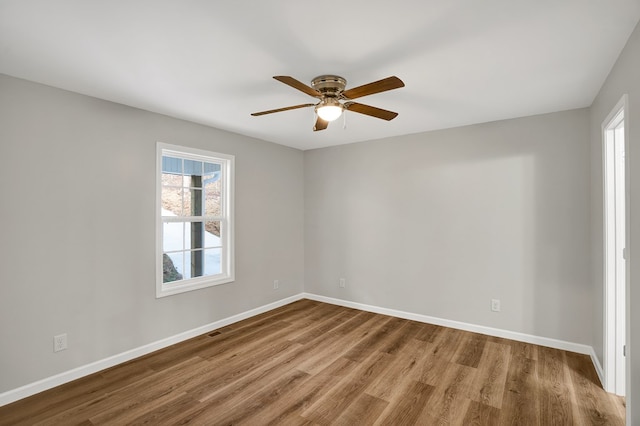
column 310, row 363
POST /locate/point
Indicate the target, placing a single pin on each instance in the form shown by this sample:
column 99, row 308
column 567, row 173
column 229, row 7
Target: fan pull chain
column 344, row 120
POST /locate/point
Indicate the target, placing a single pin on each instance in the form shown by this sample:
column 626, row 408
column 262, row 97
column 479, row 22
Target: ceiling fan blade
column 383, row 85
column 271, row 111
column 320, row 124
column 369, row 110
column 290, row 81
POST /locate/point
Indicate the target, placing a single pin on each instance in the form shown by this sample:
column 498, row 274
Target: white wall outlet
column 342, row 283
column 276, row 284
column 60, row 342
column 495, row 305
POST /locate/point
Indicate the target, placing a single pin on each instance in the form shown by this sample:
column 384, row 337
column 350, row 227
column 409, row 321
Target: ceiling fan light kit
column 330, row 90
column 329, row 109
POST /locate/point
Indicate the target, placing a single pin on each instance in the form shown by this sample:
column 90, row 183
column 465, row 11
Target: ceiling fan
column 329, row 89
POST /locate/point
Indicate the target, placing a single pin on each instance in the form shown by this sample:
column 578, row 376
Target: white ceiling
column 211, row 62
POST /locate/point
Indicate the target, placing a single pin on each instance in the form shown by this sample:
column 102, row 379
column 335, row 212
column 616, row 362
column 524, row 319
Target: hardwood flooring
column 310, row 363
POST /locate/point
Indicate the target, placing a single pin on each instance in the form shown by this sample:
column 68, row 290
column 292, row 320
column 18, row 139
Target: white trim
column 490, row 331
column 67, row 376
column 227, row 275
column 597, row 366
column 610, row 344
column 82, row 371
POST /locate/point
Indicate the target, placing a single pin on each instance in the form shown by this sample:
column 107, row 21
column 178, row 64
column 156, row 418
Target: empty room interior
column 189, row 236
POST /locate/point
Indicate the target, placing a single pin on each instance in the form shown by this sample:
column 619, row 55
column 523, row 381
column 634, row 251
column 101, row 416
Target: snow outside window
column 194, row 219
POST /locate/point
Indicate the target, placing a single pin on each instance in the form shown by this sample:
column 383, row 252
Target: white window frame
column 227, row 274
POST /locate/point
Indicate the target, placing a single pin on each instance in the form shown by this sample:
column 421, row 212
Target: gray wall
column 439, row 223
column 624, row 78
column 78, row 229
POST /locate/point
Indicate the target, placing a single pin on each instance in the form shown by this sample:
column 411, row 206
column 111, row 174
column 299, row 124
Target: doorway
column 614, row 248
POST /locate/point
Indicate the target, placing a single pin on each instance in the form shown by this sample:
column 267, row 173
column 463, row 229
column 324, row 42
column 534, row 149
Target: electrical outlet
column 276, row 284
column 60, row 342
column 342, row 283
column 495, row 305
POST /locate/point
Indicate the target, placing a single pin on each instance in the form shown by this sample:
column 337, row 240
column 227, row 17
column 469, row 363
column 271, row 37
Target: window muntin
column 195, row 229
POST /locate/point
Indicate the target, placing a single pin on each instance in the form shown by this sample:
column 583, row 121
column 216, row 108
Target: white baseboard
column 597, row 366
column 490, row 331
column 68, row 376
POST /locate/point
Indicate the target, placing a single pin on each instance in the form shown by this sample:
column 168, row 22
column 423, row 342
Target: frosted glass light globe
column 329, row 111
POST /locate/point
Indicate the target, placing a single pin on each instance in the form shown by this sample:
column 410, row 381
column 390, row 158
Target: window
column 194, row 219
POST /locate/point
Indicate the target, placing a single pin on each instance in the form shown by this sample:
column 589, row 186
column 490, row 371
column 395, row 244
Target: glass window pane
column 172, row 165
column 195, row 235
column 212, row 261
column 212, row 194
column 171, row 267
column 193, row 168
column 211, row 170
column 194, row 263
column 186, row 273
column 193, row 203
column 171, row 179
column 171, row 201
column 173, row 236
column 185, row 196
column 212, row 234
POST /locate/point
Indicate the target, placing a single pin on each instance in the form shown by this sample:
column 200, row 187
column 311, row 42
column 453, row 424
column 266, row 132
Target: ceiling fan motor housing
column 329, row 85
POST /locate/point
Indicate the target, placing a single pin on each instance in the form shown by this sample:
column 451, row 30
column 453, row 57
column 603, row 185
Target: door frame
column 613, row 381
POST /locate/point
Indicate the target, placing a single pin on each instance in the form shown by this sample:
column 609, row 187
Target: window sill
column 183, row 286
